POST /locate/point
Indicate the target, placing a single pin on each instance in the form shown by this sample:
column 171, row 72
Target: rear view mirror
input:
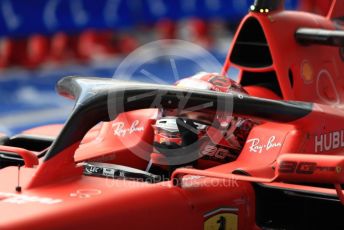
column 30, row 159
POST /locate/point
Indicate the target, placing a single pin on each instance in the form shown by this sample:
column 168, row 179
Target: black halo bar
column 100, row 99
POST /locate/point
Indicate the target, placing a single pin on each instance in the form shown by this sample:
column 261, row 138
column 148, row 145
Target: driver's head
column 220, row 140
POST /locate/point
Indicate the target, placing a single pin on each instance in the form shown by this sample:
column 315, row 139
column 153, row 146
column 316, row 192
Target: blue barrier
column 25, row 17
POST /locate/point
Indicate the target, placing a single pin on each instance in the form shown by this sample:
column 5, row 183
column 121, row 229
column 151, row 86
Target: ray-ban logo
column 120, row 130
column 257, row 147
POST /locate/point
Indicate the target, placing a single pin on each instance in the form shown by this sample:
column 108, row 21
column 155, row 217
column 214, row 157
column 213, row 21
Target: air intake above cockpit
column 251, row 48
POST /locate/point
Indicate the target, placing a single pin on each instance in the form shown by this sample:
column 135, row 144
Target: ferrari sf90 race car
column 265, row 152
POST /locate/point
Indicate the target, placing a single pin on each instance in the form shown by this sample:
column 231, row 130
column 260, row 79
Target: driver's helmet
column 220, row 140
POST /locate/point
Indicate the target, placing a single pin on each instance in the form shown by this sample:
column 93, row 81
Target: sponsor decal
column 222, row 218
column 305, row 167
column 120, row 130
column 256, row 145
column 329, row 141
column 297, row 167
column 217, row 152
column 104, row 171
column 85, row 193
column 24, row 199
column 100, row 171
column 307, row 72
column 90, row 169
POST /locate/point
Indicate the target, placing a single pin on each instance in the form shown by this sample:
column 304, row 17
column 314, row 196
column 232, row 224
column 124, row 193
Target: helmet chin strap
column 188, row 131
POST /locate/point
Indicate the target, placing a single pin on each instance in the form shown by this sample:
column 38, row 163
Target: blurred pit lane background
column 44, row 40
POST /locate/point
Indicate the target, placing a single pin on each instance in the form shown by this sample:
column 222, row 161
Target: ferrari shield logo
column 221, row 219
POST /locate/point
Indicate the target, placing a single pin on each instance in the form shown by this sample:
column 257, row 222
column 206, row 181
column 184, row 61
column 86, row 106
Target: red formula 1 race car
column 207, row 153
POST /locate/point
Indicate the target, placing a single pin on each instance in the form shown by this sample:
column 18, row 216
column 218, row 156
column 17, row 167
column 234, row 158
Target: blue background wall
column 25, row 17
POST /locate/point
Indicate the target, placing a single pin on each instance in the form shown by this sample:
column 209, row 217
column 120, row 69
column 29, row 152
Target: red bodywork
column 55, row 194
